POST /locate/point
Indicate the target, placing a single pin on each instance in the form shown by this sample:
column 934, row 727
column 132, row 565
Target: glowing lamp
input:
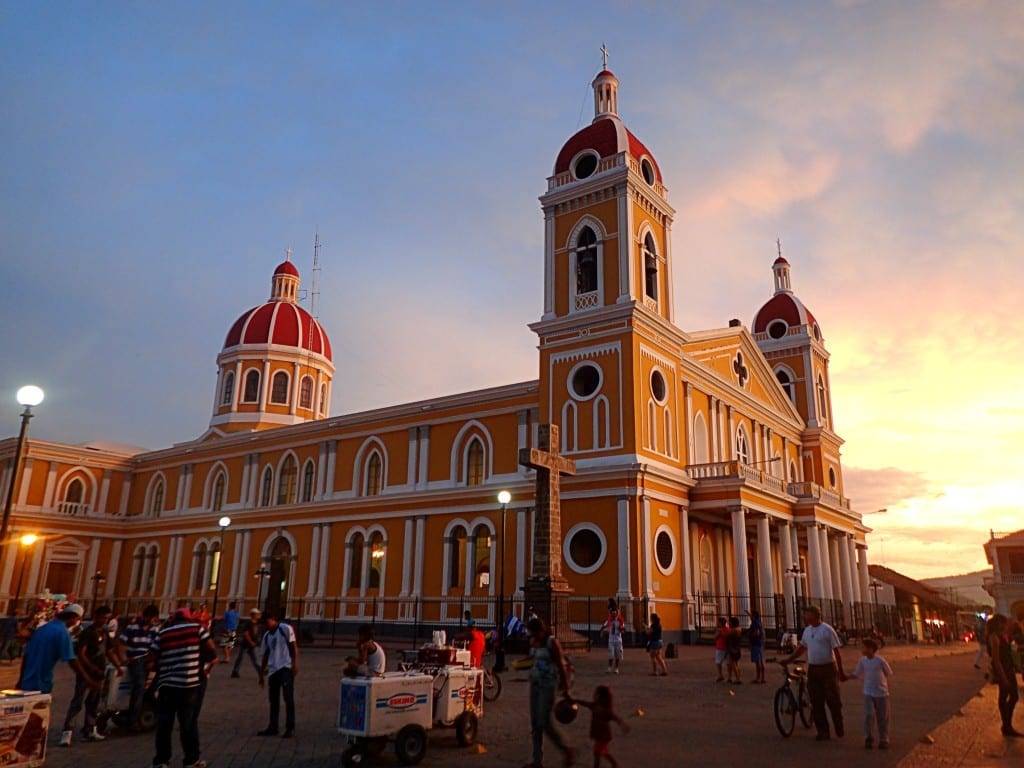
column 28, row 539
column 30, row 396
column 224, row 522
column 504, row 497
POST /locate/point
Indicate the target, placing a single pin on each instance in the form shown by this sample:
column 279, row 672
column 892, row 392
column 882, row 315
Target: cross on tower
column 604, row 55
column 547, row 526
column 778, row 245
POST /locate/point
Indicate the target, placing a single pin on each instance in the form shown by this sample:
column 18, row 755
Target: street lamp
column 97, row 579
column 504, row 497
column 27, row 541
column 223, row 524
column 261, row 573
column 29, row 397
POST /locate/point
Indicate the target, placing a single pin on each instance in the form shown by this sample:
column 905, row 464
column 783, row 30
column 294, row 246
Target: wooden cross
column 547, row 524
column 604, row 54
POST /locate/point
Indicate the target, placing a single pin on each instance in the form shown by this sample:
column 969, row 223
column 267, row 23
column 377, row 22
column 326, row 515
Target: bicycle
column 788, row 704
column 492, row 683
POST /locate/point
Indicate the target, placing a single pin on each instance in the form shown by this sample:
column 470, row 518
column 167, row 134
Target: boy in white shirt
column 875, row 672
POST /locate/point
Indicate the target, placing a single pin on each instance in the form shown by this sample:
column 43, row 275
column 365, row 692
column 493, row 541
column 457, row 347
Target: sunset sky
column 159, row 160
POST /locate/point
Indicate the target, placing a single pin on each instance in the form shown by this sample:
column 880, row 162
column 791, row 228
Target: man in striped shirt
column 136, row 638
column 178, row 653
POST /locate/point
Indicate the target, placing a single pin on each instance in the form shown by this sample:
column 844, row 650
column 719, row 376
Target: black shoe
column 268, row 732
column 289, row 732
column 840, row 732
column 869, row 744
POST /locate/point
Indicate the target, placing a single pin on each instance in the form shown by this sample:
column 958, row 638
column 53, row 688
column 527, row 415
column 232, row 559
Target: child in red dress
column 602, row 715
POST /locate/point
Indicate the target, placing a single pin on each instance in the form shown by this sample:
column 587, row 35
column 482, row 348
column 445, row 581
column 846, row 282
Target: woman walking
column 547, row 675
column 655, row 647
column 1003, row 671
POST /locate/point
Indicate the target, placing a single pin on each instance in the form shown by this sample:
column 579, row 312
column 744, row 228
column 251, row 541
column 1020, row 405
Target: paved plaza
column 685, row 719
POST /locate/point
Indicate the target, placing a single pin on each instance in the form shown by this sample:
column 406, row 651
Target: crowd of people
column 175, row 658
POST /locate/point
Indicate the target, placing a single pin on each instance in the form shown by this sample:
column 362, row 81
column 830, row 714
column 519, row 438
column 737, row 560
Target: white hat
column 74, row 608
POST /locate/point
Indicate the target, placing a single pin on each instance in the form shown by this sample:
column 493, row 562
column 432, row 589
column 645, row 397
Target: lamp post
column 504, row 497
column 28, row 396
column 223, row 524
column 97, row 579
column 261, row 573
column 26, row 541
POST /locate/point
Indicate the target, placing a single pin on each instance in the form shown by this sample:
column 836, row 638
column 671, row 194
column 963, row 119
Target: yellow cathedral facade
column 708, row 473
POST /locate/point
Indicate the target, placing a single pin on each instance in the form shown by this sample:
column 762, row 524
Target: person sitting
column 370, row 660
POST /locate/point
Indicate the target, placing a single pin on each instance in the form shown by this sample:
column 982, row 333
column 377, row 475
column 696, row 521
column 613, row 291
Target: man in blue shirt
column 48, row 645
column 230, row 635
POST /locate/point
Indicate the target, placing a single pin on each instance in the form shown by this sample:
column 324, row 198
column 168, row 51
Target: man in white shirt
column 824, row 671
column 281, row 666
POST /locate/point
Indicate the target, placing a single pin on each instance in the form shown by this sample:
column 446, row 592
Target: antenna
column 314, row 286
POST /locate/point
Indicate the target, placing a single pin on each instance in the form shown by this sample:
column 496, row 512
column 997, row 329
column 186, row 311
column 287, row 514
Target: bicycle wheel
column 804, row 706
column 492, row 686
column 785, row 712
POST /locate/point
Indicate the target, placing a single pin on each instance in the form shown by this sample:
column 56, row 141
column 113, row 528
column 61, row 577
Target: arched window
column 228, row 390
column 586, row 261
column 213, row 556
column 456, row 556
column 377, row 551
column 822, row 400
column 286, row 481
column 156, row 504
column 482, row 557
column 786, row 382
column 742, row 447
column 138, row 565
column 355, row 561
column 152, row 561
column 198, row 567
column 306, row 393
column 252, row 387
column 268, row 487
column 279, row 388
column 307, row 483
column 700, row 440
column 374, row 474
column 217, row 499
column 792, row 472
column 705, row 565
column 475, row 463
column 74, row 492
column 323, row 398
column 650, row 268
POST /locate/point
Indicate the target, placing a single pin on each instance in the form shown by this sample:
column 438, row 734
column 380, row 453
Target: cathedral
column 706, row 463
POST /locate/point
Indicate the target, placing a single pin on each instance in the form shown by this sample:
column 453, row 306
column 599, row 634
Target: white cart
column 403, row 706
column 24, row 720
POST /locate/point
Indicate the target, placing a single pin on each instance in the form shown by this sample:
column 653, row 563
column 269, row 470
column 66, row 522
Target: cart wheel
column 351, row 757
column 411, row 744
column 466, row 726
column 147, row 718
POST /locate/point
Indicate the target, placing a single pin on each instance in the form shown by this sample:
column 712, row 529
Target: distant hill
column 966, row 586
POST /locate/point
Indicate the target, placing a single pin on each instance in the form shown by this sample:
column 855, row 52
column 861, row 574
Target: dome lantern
column 284, row 286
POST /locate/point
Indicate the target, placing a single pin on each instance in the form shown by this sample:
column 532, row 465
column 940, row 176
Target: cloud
column 873, row 489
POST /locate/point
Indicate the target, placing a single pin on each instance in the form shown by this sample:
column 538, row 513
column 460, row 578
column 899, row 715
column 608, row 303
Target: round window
column 584, row 548
column 658, row 387
column 647, row 169
column 664, row 550
column 586, row 380
column 585, row 165
column 777, row 329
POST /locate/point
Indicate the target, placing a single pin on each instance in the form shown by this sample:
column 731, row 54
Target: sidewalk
column 971, row 739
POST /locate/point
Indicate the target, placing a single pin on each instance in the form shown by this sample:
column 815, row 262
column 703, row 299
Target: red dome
column 779, row 260
column 786, row 307
column 281, row 323
column 607, row 136
column 286, row 268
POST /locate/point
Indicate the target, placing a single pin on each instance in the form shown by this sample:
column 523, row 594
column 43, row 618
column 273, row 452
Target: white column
column 826, row 563
column 786, row 560
column 549, row 264
column 407, row 564
column 844, row 571
column 722, row 579
column 236, row 550
column 126, row 493
column 265, row 386
column 521, row 436
column 835, row 567
column 851, row 558
column 51, row 483
column 10, row 555
column 684, row 545
column 5, row 479
column 713, row 427
column 236, row 391
column 33, row 585
column 520, row 515
column 321, row 469
column 314, row 561
column 765, row 575
column 687, row 418
column 174, row 566
column 625, row 590
column 112, row 565
column 25, row 481
column 816, row 579
column 91, row 565
column 739, row 546
column 332, row 456
column 243, row 566
column 645, row 550
column 424, row 457
column 417, row 581
column 626, row 288
column 410, row 467
column 101, row 505
column 862, row 572
column 325, row 559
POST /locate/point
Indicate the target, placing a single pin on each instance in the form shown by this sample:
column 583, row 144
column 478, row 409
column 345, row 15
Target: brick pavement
column 686, row 717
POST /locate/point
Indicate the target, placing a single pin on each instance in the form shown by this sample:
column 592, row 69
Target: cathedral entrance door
column 280, row 571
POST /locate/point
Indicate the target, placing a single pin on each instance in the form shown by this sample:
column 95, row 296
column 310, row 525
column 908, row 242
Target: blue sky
column 159, row 159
